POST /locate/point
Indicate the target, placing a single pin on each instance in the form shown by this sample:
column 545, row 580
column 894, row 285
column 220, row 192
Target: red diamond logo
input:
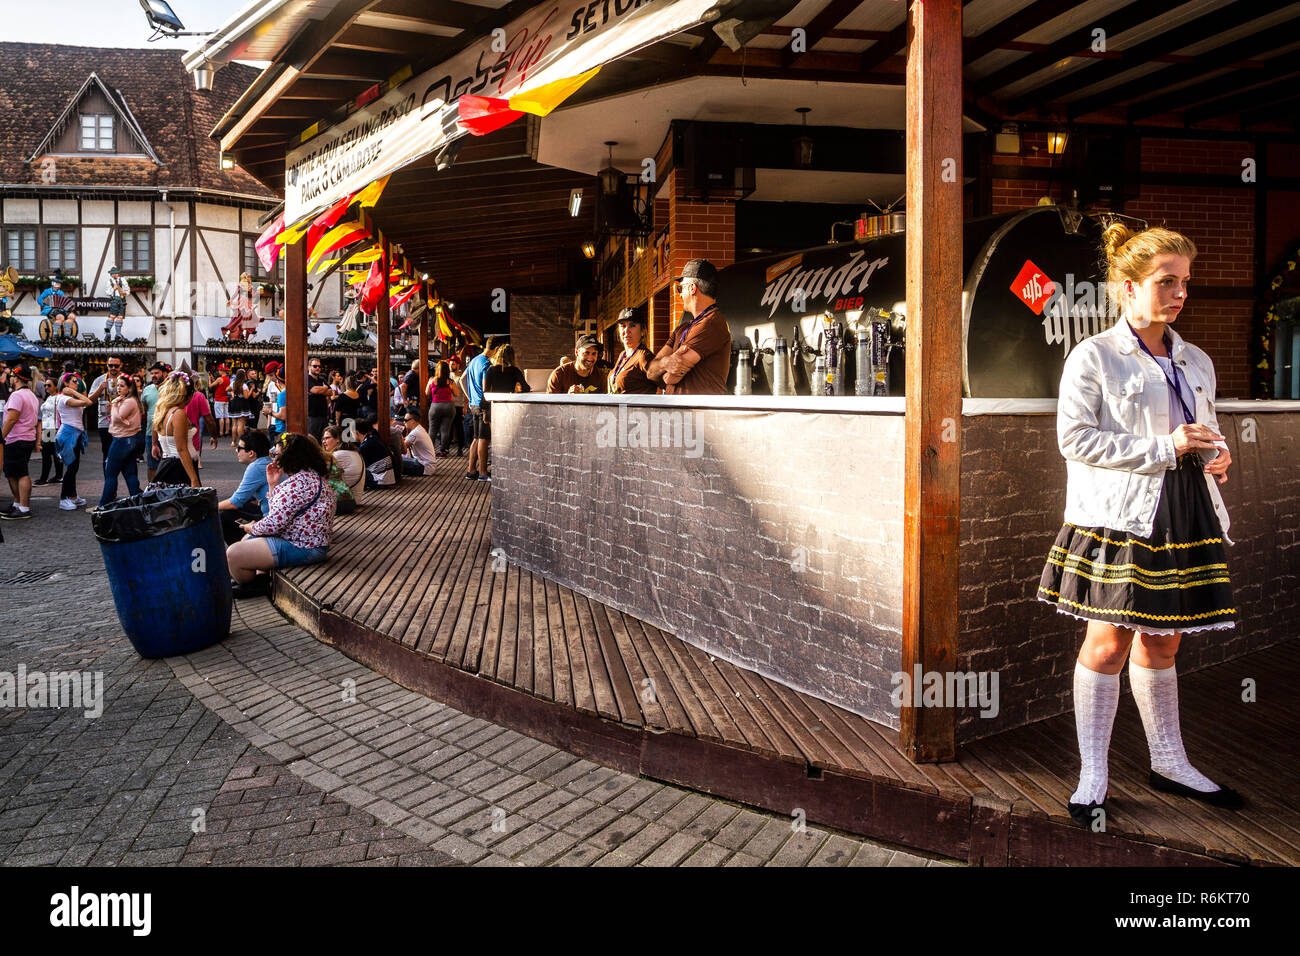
column 1032, row 287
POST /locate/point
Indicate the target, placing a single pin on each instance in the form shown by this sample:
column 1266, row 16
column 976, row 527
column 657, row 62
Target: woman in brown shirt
column 629, row 374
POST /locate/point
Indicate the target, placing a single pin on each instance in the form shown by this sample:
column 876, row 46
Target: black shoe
column 1225, row 797
column 471, row 476
column 1081, row 813
column 258, row 587
column 40, row 481
column 487, row 477
column 13, row 514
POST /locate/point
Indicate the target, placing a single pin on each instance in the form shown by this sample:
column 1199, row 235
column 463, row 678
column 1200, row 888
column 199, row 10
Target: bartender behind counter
column 628, row 375
column 582, row 375
column 698, row 354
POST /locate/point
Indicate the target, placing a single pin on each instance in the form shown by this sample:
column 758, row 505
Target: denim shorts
column 287, row 554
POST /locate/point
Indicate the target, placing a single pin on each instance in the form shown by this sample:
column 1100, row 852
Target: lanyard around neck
column 683, row 329
column 1172, row 382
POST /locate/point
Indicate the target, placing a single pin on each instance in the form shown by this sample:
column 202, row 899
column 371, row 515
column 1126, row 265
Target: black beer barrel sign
column 1031, row 294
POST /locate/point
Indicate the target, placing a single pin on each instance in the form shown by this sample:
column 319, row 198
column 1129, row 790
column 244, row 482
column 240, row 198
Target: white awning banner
column 547, row 44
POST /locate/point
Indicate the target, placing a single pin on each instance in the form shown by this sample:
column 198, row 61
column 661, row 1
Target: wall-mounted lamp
column 227, row 162
column 639, row 244
column 1056, row 143
column 589, row 249
column 162, row 328
column 609, row 177
column 1007, row 140
column 575, row 202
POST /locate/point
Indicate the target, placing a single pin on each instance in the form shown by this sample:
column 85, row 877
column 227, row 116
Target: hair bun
column 1114, row 237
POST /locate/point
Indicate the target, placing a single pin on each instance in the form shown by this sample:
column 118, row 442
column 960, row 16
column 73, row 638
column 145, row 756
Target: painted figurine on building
column 116, row 305
column 8, row 281
column 60, row 318
column 244, row 318
column 352, row 326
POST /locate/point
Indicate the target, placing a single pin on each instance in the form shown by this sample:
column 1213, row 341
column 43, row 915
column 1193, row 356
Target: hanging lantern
column 803, row 144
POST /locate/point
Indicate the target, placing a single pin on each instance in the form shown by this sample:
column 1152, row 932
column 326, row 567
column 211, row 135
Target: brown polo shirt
column 566, row 376
column 629, row 377
column 711, row 338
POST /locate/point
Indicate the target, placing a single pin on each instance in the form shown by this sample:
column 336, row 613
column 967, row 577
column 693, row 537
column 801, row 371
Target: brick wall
column 541, row 329
column 707, row 548
column 786, row 562
column 1013, row 499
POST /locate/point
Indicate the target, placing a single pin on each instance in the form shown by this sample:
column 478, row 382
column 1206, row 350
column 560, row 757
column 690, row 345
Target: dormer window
column 97, row 132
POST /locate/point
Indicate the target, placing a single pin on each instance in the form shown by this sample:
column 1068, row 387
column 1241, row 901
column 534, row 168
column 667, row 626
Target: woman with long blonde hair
column 172, row 434
column 1140, row 556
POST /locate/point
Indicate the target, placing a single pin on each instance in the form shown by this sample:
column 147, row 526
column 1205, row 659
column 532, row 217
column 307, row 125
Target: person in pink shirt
column 126, row 425
column 22, row 415
column 197, row 409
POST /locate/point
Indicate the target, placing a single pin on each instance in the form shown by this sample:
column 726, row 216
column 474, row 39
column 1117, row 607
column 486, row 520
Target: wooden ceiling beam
column 364, row 67
column 1114, row 23
column 1196, row 100
column 882, row 50
column 381, row 40
column 819, row 27
column 1227, row 55
column 1188, row 33
column 1016, row 25
column 460, row 15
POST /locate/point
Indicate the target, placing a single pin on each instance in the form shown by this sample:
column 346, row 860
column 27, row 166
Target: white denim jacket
column 1113, row 427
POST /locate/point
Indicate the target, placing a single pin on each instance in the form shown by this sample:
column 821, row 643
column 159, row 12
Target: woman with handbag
column 300, row 523
column 1140, row 556
column 171, row 436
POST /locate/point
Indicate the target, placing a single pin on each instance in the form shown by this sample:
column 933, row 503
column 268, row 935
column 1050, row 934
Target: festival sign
column 543, row 48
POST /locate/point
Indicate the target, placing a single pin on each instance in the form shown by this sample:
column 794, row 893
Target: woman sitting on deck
column 300, row 523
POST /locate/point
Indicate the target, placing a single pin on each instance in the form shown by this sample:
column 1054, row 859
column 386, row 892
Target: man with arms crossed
column 697, row 356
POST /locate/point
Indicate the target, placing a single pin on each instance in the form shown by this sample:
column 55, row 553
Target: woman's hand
column 273, row 474
column 1194, row 438
column 1219, row 467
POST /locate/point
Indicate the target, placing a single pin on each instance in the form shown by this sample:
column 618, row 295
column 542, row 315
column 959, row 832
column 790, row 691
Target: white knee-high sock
column 1156, row 695
column 1096, row 698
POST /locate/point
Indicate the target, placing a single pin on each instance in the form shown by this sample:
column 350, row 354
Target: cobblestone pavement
column 274, row 749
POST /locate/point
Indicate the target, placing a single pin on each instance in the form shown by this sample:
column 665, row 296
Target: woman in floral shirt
column 300, row 521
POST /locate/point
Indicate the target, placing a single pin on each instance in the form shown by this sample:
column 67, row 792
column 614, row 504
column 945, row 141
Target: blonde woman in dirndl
column 1140, row 556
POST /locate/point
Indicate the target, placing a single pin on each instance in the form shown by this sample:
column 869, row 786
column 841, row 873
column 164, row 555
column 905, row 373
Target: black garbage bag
column 151, row 514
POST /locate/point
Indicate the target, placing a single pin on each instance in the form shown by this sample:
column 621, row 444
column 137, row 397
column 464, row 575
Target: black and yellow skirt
column 1174, row 581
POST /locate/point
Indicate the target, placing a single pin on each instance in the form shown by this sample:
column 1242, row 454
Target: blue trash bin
column 166, row 562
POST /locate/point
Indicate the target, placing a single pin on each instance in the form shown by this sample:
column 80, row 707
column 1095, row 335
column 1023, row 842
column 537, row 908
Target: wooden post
column 424, row 356
column 295, row 336
column 932, row 484
column 385, row 334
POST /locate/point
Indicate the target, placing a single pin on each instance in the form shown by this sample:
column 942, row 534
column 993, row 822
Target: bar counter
column 769, row 532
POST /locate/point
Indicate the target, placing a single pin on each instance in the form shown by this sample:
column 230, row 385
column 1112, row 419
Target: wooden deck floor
column 412, row 589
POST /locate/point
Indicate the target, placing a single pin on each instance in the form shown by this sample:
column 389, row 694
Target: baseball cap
column 698, row 269
column 588, row 341
column 160, row 367
column 22, row 371
column 272, row 367
column 628, row 315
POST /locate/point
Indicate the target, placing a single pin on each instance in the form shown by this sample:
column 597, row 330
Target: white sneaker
column 67, row 504
column 81, row 502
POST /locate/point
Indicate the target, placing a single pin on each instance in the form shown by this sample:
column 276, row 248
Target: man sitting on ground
column 378, row 459
column 248, row 503
column 581, row 376
column 419, row 447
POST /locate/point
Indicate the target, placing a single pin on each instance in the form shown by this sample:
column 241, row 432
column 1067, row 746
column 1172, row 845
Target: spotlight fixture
column 447, row 155
column 425, row 277
column 165, row 22
column 1007, row 140
column 803, row 144
column 589, row 249
column 575, row 202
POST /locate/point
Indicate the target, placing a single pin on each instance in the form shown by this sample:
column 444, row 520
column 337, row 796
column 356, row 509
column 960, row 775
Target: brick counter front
column 778, row 547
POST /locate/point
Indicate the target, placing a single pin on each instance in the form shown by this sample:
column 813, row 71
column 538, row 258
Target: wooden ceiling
column 497, row 218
